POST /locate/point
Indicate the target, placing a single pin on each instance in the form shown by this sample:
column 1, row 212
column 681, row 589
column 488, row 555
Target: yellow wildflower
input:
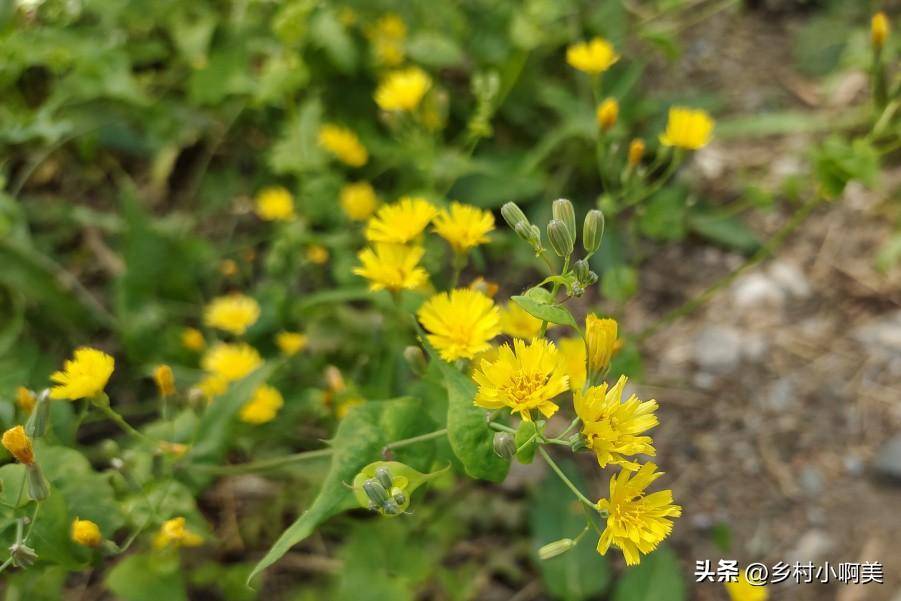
column 746, row 590
column 165, row 380
column 518, row 323
column 212, row 386
column 263, row 406
column 25, row 399
column 231, row 361
column 593, row 57
column 573, row 351
column 403, row 89
column 602, row 342
column 228, row 268
column 173, row 533
column 275, row 204
column 86, row 533
column 176, row 449
column 687, row 128
column 84, row 376
column 343, row 144
column 233, row 313
column 607, row 113
column 388, row 37
column 392, row 267
column 524, row 377
column 17, row 442
column 464, row 226
column 879, row 29
column 317, row 254
column 612, row 427
column 461, row 323
column 346, row 405
column 192, row 339
column 290, row 343
column 636, row 152
column 402, row 221
column 636, row 522
column 358, row 201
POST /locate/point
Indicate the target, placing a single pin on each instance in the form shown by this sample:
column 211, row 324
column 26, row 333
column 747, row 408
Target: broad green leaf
column 619, row 283
column 148, row 577
column 434, row 49
column 550, row 313
column 403, row 477
column 724, row 229
column 657, row 578
column 663, row 216
column 13, row 487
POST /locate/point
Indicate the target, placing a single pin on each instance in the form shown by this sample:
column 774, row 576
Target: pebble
column 718, row 349
column 888, row 459
column 779, row 396
column 812, row 546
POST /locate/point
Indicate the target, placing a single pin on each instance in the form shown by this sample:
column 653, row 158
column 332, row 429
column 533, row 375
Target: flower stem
column 114, row 416
column 501, row 427
column 567, row 481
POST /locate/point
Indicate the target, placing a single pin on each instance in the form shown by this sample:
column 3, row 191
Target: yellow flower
column 86, row 533
column 402, row 90
column 593, row 57
column 275, row 204
column 317, row 254
column 745, row 590
column 388, row 37
column 231, row 361
column 192, row 339
column 343, row 144
column 573, row 351
column 358, row 201
column 212, row 386
column 17, row 442
column 636, row 152
column 402, row 221
column 879, row 29
column 523, row 378
column 461, row 323
column 346, row 405
column 517, row 323
column 611, row 427
column 176, row 449
column 687, row 128
column 392, row 267
column 233, row 313
column 607, row 113
column 84, row 376
column 636, row 523
column 263, row 406
column 228, row 268
column 174, row 534
column 290, row 343
column 165, row 380
column 464, row 226
column 602, row 342
column 25, row 399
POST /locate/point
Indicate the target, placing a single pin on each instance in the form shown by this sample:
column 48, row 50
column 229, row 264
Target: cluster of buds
column 385, row 487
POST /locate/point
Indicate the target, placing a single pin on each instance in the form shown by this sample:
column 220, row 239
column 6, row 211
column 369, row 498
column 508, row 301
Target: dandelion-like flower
column 636, row 152
column 317, row 254
column 523, row 377
column 86, row 533
column 636, row 522
column 387, row 38
column 573, row 352
column 516, row 322
column 746, row 590
column 602, row 342
column 17, row 442
column 686, row 128
column 358, row 201
column 212, row 386
column 343, row 144
column 233, row 313
column 402, row 221
column 164, row 380
column 879, row 29
column 275, row 204
column 592, row 57
column 403, row 89
column 231, row 362
column 83, row 376
column 290, row 343
column 174, row 533
column 192, row 339
column 464, row 226
column 607, row 113
column 392, row 267
column 460, row 323
column 611, row 427
column 263, row 406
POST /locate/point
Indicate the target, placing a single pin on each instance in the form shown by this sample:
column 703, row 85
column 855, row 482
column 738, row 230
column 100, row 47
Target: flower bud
column 17, row 442
column 561, row 240
column 602, row 337
column 530, row 233
column 86, row 533
column 563, row 210
column 40, row 415
column 607, row 113
column 383, row 475
column 593, row 231
column 38, row 488
column 636, row 152
column 165, row 380
column 415, row 358
column 580, row 268
column 577, row 442
column 879, row 30
column 558, row 547
column 398, row 496
column 25, row 399
column 513, row 215
column 22, row 555
column 377, row 494
column 504, row 445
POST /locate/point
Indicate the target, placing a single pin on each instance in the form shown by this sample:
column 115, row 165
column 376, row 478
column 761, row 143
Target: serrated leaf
column 657, row 578
column 546, row 312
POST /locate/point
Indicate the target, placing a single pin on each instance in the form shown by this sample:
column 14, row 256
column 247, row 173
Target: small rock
column 812, row 546
column 811, row 481
column 882, row 332
column 718, row 349
column 779, row 396
column 790, row 278
column 888, row 459
column 755, row 290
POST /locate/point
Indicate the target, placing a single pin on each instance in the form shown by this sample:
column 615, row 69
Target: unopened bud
column 376, row 492
column 384, row 477
column 25, row 399
column 563, row 210
column 593, row 231
column 580, row 268
column 636, row 152
column 577, row 443
column 513, row 215
column 504, row 445
column 37, row 484
column 415, row 358
column 398, row 496
column 165, row 380
column 530, row 233
column 561, row 240
column 390, row 508
column 558, row 547
column 22, row 555
column 607, row 113
column 879, row 30
column 37, row 421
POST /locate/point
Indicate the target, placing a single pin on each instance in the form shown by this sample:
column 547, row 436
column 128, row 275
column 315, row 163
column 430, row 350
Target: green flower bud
column 37, row 422
column 384, row 477
column 504, row 445
column 415, row 359
column 398, row 496
column 22, row 555
column 580, row 268
column 558, row 547
column 377, row 494
column 563, row 210
column 530, row 233
column 577, row 443
column 391, row 508
column 513, row 215
column 561, row 240
column 37, row 484
column 593, row 230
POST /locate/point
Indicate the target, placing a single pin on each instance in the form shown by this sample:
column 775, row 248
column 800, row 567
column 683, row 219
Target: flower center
column 522, row 386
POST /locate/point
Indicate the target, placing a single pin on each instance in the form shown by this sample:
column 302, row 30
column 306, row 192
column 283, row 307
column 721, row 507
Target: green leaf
column 12, row 482
column 657, row 578
column 360, row 437
column 434, row 49
column 663, row 216
column 526, row 441
column 147, row 577
column 619, row 283
column 546, row 312
column 724, row 229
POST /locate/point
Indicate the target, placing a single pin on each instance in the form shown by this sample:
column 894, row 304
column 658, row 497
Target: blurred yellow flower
column 593, row 57
column 84, row 376
column 290, row 343
column 517, row 323
column 263, row 406
column 275, row 204
column 231, row 361
column 192, row 339
column 402, row 90
column 636, row 522
column 343, row 144
column 233, row 313
column 17, row 442
column 611, row 427
column 358, row 201
column 464, row 226
column 524, row 377
column 164, row 379
column 687, row 128
column 636, row 152
column 25, row 399
column 176, row 449
column 86, row 533
column 402, row 221
column 387, row 36
column 879, row 29
column 745, row 590
column 346, row 405
column 228, row 268
column 173, row 533
column 461, row 323
column 212, row 386
column 317, row 254
column 392, row 267
column 602, row 342
column 573, row 351
column 607, row 113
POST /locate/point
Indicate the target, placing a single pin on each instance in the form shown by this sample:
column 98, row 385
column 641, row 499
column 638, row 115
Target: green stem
column 34, row 517
column 414, row 439
column 567, row 481
column 554, row 290
column 501, row 427
column 117, row 419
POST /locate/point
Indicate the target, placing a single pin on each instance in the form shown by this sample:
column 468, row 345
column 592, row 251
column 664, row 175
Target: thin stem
column 114, row 416
column 567, row 481
column 554, row 290
column 571, row 425
column 459, row 262
column 6, row 564
column 413, row 440
column 34, row 517
column 501, row 427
